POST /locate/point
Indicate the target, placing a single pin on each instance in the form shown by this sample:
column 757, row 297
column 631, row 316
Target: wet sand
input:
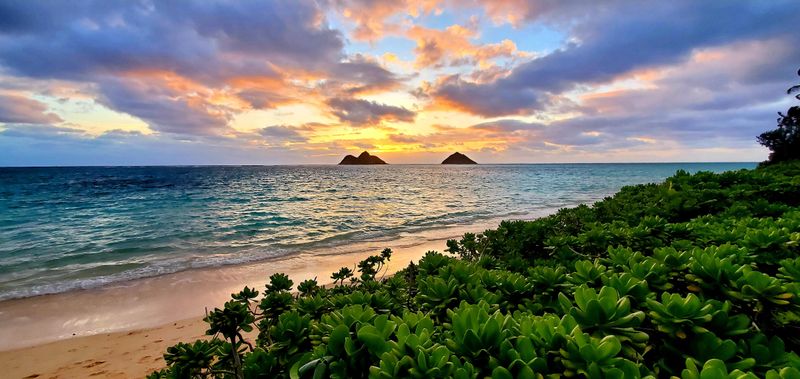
column 143, row 320
column 122, row 330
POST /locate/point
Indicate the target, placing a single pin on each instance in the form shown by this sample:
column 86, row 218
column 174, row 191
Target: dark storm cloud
column 610, row 40
column 364, row 112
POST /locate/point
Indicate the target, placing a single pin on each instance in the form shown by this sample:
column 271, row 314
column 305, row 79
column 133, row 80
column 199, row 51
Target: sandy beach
column 142, row 318
column 122, row 330
column 132, row 354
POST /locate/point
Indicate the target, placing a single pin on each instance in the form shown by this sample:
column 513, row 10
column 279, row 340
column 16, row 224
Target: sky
column 132, row 82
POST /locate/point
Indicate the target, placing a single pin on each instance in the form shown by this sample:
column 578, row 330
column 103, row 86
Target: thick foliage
column 696, row 277
column 784, row 142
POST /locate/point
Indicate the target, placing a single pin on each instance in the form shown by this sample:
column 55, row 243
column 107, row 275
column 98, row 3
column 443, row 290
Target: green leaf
column 422, row 362
column 714, row 369
column 337, row 339
column 501, row 373
column 491, row 331
column 608, row 348
column 471, row 341
column 375, row 343
column 319, row 372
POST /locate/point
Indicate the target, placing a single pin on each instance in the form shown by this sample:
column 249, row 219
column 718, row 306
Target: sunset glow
column 275, row 82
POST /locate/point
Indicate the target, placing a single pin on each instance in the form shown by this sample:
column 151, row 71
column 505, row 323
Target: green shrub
column 695, row 277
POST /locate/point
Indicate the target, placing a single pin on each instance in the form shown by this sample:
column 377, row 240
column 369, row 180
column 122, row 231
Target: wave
column 251, row 255
column 74, row 228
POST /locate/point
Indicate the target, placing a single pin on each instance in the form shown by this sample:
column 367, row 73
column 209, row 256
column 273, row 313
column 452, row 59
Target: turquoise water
column 82, row 227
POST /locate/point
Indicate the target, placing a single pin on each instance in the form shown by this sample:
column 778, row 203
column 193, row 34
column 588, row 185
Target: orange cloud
column 510, row 11
column 372, row 18
column 448, row 138
column 452, row 46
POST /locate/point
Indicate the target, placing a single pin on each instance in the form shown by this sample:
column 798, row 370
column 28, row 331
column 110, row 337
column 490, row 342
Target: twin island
column 366, row 159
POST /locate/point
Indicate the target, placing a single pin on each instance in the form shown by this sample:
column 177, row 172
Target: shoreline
column 129, row 349
column 123, row 329
column 159, row 300
column 327, row 247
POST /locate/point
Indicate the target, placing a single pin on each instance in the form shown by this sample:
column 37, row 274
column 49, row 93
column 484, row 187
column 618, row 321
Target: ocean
column 71, row 228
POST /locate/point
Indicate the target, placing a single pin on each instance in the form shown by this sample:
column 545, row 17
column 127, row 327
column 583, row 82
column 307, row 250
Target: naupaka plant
column 695, row 277
column 604, row 313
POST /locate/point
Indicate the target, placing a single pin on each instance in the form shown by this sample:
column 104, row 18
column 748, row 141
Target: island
column 363, row 158
column 458, row 158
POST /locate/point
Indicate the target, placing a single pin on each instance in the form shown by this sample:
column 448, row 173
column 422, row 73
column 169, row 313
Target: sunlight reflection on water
column 67, row 228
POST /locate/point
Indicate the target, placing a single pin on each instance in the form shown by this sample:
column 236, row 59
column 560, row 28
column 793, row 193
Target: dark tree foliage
column 784, row 142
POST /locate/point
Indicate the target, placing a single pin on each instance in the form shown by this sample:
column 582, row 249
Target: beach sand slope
column 131, row 354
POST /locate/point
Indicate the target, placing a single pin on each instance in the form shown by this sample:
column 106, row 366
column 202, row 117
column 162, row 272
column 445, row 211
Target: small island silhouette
column 458, row 158
column 363, row 158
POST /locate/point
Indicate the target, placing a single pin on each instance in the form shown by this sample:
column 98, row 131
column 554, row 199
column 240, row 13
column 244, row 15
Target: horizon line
column 336, row 164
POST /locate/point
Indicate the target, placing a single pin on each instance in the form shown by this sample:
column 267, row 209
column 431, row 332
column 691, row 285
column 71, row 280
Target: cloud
column 183, row 66
column 711, row 80
column 359, row 74
column 263, row 99
column 207, row 40
column 611, row 44
column 633, row 122
column 489, row 99
column 403, row 138
column 680, row 131
column 42, row 132
column 360, row 112
column 508, row 126
column 452, row 46
column 282, row 133
column 551, row 11
column 375, row 18
column 690, row 76
column 165, row 109
column 45, row 145
column 721, row 95
column 22, row 110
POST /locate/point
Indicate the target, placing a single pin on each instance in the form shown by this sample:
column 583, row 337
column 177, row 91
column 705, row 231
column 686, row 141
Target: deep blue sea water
column 79, row 227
